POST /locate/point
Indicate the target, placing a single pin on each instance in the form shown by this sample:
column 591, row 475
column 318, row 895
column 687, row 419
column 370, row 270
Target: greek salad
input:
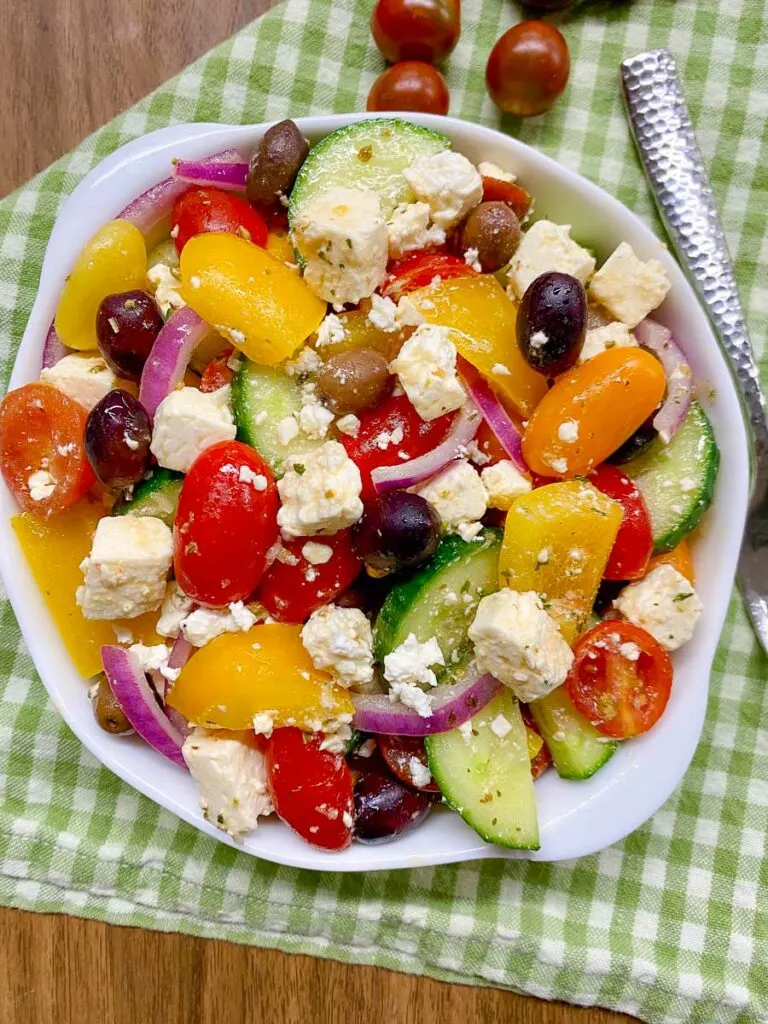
column 354, row 489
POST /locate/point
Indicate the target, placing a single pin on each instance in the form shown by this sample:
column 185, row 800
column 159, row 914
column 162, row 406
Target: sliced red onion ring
column 138, row 702
column 453, row 704
column 221, row 173
column 180, row 654
column 407, row 474
column 494, row 414
column 169, row 357
column 53, row 349
column 658, row 339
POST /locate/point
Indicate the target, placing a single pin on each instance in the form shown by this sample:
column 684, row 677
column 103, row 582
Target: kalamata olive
column 494, row 230
column 274, row 165
column 355, row 380
column 107, row 712
column 366, row 593
column 126, row 327
column 384, row 806
column 403, row 755
column 635, row 444
column 551, row 322
column 117, row 437
column 397, row 531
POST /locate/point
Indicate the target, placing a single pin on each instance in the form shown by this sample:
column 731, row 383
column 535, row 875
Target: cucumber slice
column 369, row 154
column 578, row 750
column 261, row 397
column 157, row 496
column 440, row 601
column 677, row 480
column 487, row 779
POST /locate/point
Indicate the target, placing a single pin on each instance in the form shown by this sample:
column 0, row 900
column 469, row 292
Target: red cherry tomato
column 620, row 678
column 516, row 198
column 398, row 752
column 410, row 85
column 291, row 590
column 396, row 412
column 311, row 788
column 224, row 525
column 543, row 759
column 528, row 69
column 416, row 29
column 209, row 209
column 41, row 428
column 490, row 446
column 217, row 373
column 633, row 547
column 419, row 269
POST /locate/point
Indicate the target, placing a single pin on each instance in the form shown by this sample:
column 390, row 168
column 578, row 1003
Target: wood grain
column 68, row 67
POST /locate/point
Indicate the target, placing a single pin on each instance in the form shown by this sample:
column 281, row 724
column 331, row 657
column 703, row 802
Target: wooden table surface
column 70, row 66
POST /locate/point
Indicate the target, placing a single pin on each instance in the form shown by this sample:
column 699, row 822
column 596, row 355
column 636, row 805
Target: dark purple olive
column 366, row 593
column 117, row 437
column 606, row 594
column 385, row 807
column 126, row 327
column 635, row 444
column 551, row 322
column 398, row 531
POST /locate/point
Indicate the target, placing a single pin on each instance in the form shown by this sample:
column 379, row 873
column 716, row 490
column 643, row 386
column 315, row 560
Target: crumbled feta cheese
column 410, row 229
column 568, row 431
column 231, row 776
column 469, row 531
column 420, row 774
column 126, row 571
column 411, row 696
column 518, row 643
column 629, row 651
column 330, row 332
column 84, row 378
column 324, row 496
column 389, row 437
column 426, row 368
column 475, row 454
column 155, row 659
column 257, row 480
column 164, row 282
column 315, row 420
column 409, row 663
column 665, row 604
column 538, row 339
column 466, row 731
column 491, row 170
column 614, row 335
column 448, row 183
column 543, row 556
column 176, row 606
column 544, row 247
column 287, row 430
column 383, row 314
column 264, row 722
column 559, row 465
column 340, row 641
column 187, row 422
column 627, row 287
column 307, row 361
column 501, row 370
column 205, row 624
column 458, row 495
column 317, row 554
column 349, row 425
column 504, row 482
column 500, row 726
column 407, row 313
column 342, row 235
column 471, row 258
column 41, row 485
column 123, row 635
column 336, row 737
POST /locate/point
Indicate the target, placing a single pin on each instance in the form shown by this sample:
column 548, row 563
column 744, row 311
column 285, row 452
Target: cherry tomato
column 620, row 679
column 528, row 69
column 543, row 759
column 416, row 29
column 293, row 588
column 42, row 430
column 394, row 414
column 410, row 85
column 679, row 558
column 225, row 524
column 217, row 373
column 419, row 269
column 310, row 788
column 398, row 752
column 633, row 546
column 204, row 210
column 497, row 191
column 490, row 446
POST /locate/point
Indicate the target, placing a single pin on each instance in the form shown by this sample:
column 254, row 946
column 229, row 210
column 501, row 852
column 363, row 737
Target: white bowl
column 576, row 818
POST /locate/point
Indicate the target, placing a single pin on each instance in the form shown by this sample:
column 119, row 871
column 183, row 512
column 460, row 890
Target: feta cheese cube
column 613, row 335
column 628, row 288
column 205, row 624
column 287, row 430
column 665, row 604
column 320, row 492
column 409, row 663
column 458, row 495
column 126, row 571
column 504, row 482
column 340, row 641
column 426, row 367
column 383, row 314
column 231, row 774
column 448, row 183
column 342, row 235
column 491, row 170
column 518, row 643
column 164, row 282
column 410, row 229
column 546, row 246
column 176, row 606
column 84, row 378
column 187, row 422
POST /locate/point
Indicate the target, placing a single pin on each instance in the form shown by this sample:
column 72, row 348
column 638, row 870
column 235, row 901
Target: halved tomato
column 204, row 210
column 633, row 546
column 497, row 191
column 421, row 268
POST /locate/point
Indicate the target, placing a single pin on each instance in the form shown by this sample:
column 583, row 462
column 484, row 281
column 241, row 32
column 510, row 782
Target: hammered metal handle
column 663, row 134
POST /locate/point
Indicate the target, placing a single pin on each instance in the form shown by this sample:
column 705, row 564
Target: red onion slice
column 658, row 339
column 53, row 349
column 453, row 704
column 138, row 702
column 407, row 474
column 169, row 357
column 494, row 414
column 223, row 174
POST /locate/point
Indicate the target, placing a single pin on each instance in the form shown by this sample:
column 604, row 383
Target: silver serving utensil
column 663, row 133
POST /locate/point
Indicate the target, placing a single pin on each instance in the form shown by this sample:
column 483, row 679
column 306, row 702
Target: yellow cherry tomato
column 592, row 410
column 113, row 260
column 250, row 297
column 266, row 670
column 279, row 245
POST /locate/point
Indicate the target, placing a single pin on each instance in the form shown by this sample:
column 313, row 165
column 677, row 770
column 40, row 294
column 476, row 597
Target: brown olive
column 355, row 380
column 107, row 712
column 494, row 230
column 273, row 168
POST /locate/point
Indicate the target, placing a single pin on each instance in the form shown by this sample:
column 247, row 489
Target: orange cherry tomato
column 679, row 558
column 591, row 410
column 41, row 431
column 528, row 69
column 516, row 198
column 410, row 85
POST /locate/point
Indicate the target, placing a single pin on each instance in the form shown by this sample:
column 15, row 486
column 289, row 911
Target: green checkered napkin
column 672, row 923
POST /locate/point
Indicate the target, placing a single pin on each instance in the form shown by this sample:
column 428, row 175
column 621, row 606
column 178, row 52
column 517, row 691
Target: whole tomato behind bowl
column 528, row 69
column 425, row 30
column 410, row 85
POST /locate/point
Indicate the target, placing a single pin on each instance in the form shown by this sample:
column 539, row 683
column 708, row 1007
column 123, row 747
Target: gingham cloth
column 672, row 923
